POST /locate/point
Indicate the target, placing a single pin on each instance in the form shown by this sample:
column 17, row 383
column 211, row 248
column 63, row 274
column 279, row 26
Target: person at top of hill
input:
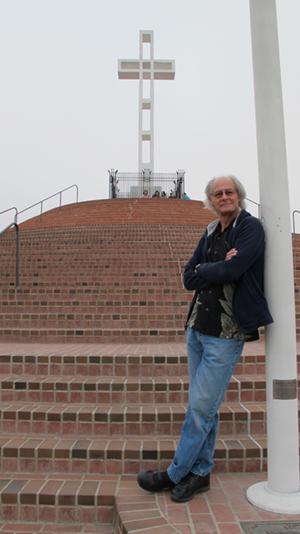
column 226, row 275
column 156, row 194
column 185, row 197
column 145, row 194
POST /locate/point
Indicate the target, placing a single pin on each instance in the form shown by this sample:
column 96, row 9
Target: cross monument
column 146, row 70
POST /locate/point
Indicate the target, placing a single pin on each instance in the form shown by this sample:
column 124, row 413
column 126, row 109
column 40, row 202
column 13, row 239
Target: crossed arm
column 248, row 246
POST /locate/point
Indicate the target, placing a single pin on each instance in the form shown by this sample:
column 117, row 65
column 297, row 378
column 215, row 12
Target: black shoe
column 155, row 480
column 189, row 486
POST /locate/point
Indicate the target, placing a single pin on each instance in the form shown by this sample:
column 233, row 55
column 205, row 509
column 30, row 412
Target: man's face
column 224, row 197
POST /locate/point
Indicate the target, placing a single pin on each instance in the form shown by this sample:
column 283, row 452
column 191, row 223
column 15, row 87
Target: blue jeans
column 211, row 362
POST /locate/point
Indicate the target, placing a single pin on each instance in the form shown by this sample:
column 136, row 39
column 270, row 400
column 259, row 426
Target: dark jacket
column 249, row 306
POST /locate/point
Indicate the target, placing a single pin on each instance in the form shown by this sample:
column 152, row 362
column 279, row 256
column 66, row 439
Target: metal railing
column 17, row 246
column 41, row 202
column 294, row 225
column 256, row 204
column 132, row 184
column 9, row 209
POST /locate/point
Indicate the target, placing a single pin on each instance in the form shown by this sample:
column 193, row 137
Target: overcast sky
column 66, row 118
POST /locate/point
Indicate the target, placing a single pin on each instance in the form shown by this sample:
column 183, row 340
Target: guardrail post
column 17, row 255
column 294, row 224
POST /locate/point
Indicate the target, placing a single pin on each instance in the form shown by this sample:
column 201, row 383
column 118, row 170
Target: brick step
column 144, row 390
column 57, row 499
column 103, row 250
column 122, row 212
column 40, row 304
column 152, row 238
column 92, row 283
column 88, row 253
column 107, row 270
column 111, row 335
column 112, row 264
column 130, row 282
column 43, row 455
column 94, row 279
column 94, row 274
column 92, row 320
column 86, row 390
column 131, row 365
column 14, row 527
column 56, row 313
column 147, row 244
column 181, row 235
column 117, row 294
column 106, row 277
column 123, row 420
column 41, row 254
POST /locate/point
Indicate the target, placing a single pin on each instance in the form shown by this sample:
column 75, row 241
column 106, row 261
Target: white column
column 152, row 103
column 281, row 491
column 140, row 168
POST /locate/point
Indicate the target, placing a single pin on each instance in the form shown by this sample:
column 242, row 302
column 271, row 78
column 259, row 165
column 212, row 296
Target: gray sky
column 66, row 118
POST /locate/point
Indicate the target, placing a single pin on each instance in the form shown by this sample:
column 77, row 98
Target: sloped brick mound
column 124, row 211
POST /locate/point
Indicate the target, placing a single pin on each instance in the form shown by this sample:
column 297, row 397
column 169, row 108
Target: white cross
column 146, row 69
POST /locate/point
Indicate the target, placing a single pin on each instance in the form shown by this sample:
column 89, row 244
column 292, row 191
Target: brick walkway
column 219, row 511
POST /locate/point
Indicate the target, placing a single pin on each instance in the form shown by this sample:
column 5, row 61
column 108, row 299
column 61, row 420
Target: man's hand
column 231, row 253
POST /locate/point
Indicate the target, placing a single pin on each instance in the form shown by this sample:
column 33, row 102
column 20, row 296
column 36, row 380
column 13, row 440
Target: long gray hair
column 238, row 186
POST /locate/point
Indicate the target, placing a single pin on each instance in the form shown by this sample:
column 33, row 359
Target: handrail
column 295, row 211
column 48, row 198
column 17, row 247
column 13, row 208
column 257, row 204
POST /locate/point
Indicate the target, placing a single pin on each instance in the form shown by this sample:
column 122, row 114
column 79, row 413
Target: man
column 226, row 273
column 185, row 197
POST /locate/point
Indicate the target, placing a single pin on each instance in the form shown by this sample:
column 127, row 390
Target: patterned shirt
column 212, row 312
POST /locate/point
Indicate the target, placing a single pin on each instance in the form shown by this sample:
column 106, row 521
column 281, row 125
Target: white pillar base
column 282, row 503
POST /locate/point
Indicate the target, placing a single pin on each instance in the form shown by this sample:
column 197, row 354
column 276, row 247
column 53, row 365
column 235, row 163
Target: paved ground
column 219, row 511
column 222, row 509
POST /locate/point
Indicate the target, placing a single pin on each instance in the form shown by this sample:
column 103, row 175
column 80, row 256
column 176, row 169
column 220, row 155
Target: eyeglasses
column 227, row 192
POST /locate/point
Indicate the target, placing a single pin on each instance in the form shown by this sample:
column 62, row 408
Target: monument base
column 282, row 503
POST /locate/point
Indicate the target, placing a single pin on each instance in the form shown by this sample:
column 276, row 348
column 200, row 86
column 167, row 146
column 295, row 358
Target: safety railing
column 17, row 246
column 9, row 209
column 294, row 224
column 256, row 204
column 41, row 202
